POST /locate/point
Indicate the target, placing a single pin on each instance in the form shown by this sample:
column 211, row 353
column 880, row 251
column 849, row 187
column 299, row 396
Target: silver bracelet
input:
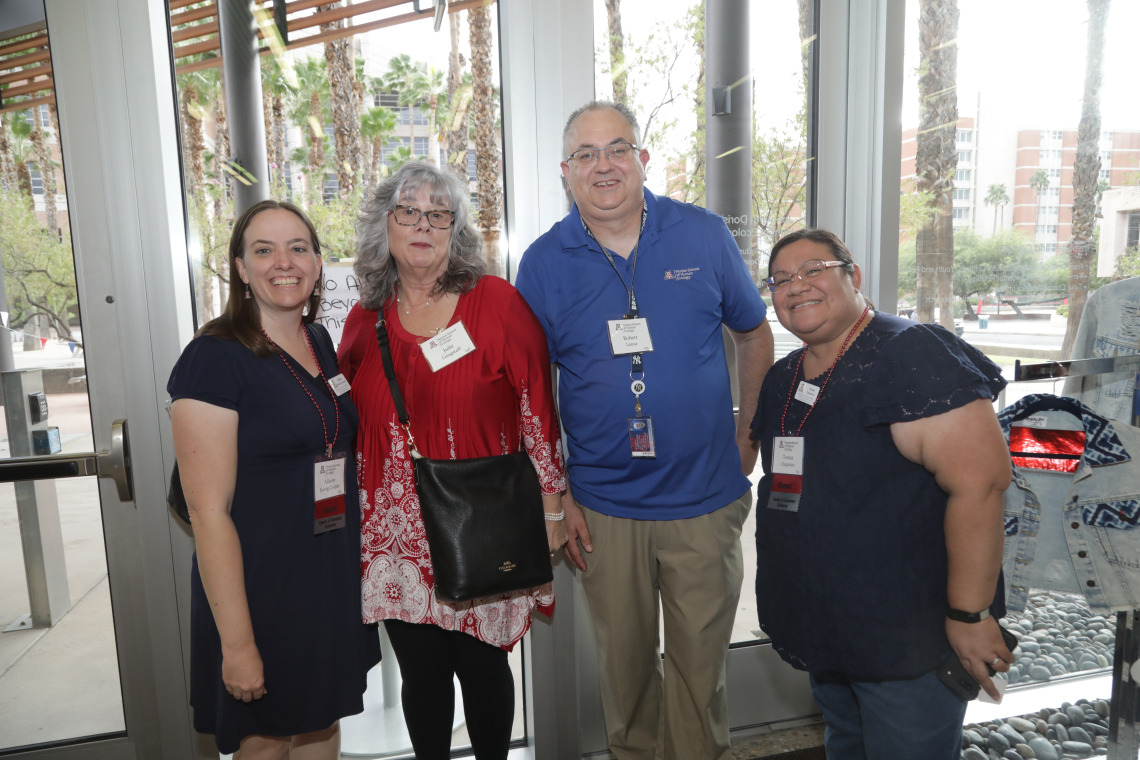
column 554, row 516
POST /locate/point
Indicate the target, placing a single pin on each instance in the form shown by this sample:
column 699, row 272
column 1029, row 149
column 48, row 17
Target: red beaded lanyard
column 336, row 407
column 800, row 364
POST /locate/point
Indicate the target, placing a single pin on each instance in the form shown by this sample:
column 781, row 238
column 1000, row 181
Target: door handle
column 115, row 465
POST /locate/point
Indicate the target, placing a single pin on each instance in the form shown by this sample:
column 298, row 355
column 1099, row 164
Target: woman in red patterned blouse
column 420, row 265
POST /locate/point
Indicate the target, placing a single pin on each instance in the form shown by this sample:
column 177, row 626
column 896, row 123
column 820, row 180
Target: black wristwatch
column 967, row 617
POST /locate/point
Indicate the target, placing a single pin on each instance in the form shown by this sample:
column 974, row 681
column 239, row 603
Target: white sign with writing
column 339, row 293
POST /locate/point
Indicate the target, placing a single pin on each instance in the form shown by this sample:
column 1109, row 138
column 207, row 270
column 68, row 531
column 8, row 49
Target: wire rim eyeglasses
column 807, row 271
column 409, row 216
column 616, row 154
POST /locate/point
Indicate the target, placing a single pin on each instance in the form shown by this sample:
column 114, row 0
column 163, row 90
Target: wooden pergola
column 25, row 63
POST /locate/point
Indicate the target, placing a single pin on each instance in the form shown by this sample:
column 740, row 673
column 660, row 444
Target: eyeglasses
column 807, row 271
column 440, row 218
column 616, row 153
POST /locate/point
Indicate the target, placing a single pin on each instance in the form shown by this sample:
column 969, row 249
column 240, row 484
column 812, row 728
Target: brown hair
column 241, row 320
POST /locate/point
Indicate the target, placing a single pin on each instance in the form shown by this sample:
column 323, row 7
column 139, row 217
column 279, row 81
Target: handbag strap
column 393, row 384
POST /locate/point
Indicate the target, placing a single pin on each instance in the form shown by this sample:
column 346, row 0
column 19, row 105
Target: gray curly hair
column 375, row 268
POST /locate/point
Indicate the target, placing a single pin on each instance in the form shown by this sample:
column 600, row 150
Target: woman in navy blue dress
column 263, row 431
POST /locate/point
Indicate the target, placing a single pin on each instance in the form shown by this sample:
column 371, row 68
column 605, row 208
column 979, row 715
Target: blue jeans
column 890, row 720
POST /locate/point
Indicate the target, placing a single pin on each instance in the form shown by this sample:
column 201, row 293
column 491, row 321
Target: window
column 1106, row 157
column 37, row 180
column 1054, row 175
column 421, row 146
column 962, row 194
column 965, row 156
column 962, row 175
column 387, row 99
column 962, row 212
column 1133, row 237
column 965, row 135
column 471, row 176
column 330, row 188
column 288, row 176
column 1046, row 229
column 1105, row 175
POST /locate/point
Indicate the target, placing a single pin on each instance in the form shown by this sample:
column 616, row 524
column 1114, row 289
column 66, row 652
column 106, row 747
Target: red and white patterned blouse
column 484, row 404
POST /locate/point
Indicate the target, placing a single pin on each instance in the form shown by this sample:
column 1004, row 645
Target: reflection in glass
column 342, row 107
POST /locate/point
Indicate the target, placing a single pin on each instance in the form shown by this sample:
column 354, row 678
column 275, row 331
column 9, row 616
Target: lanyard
column 320, row 370
column 826, row 379
column 636, row 364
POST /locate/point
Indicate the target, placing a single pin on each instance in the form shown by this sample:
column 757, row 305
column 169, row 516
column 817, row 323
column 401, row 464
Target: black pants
column 429, row 657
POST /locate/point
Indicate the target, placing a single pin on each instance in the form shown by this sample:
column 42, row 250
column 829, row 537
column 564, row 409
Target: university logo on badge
column 668, row 275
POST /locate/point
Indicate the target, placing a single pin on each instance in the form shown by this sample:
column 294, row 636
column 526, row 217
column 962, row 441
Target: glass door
column 90, row 652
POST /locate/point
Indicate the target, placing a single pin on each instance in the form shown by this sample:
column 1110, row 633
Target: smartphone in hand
column 953, row 673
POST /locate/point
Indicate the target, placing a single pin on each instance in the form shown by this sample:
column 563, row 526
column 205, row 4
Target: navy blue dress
column 303, row 589
column 854, row 582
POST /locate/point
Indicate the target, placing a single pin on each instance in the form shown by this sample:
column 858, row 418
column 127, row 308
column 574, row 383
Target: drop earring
column 247, row 295
column 317, row 290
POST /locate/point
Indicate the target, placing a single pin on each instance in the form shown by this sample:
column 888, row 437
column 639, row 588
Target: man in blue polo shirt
column 632, row 289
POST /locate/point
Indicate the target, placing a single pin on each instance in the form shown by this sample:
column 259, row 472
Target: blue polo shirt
column 690, row 279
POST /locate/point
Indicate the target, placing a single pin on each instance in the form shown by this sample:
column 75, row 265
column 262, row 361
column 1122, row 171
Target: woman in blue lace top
column 879, row 518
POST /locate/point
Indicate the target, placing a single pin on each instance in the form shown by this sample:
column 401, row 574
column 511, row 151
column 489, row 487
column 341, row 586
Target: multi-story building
column 1014, row 159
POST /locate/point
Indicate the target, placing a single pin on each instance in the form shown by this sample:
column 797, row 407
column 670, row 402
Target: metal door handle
column 116, row 463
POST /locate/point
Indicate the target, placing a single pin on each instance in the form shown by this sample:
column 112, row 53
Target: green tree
column 617, row 52
column 997, row 197
column 1086, row 173
column 404, row 78
column 1128, row 265
column 376, row 125
column 488, row 159
column 39, row 270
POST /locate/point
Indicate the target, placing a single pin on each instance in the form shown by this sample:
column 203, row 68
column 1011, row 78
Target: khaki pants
column 691, row 570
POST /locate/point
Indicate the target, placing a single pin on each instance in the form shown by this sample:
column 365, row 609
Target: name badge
column 328, row 493
column 339, row 385
column 807, row 393
column 642, row 444
column 449, row 346
column 629, row 336
column 787, row 473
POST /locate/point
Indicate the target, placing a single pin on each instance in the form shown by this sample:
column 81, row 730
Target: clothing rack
column 1124, row 709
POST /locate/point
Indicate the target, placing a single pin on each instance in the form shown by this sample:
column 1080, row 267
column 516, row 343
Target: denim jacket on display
column 1080, row 531
column 1110, row 326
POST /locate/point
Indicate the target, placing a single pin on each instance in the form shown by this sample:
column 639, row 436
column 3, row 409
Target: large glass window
column 1007, row 271
column 391, row 84
column 59, row 669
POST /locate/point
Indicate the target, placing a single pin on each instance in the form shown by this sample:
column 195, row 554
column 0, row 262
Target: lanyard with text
column 630, row 336
column 329, row 470
column 788, row 450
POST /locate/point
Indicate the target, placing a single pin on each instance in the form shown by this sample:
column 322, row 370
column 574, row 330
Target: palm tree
column 46, row 167
column 997, row 197
column 341, row 67
column 307, row 109
column 22, row 154
column 1040, row 183
column 617, row 51
column 937, row 156
column 8, row 179
column 376, row 125
column 488, row 162
column 275, row 87
column 1086, row 173
column 406, row 80
column 433, row 87
column 458, row 99
column 399, row 157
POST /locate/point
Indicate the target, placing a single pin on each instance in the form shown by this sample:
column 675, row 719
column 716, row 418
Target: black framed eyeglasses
column 807, row 271
column 440, row 218
column 617, row 153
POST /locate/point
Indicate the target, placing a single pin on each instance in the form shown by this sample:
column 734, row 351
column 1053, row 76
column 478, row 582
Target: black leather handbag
column 483, row 517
